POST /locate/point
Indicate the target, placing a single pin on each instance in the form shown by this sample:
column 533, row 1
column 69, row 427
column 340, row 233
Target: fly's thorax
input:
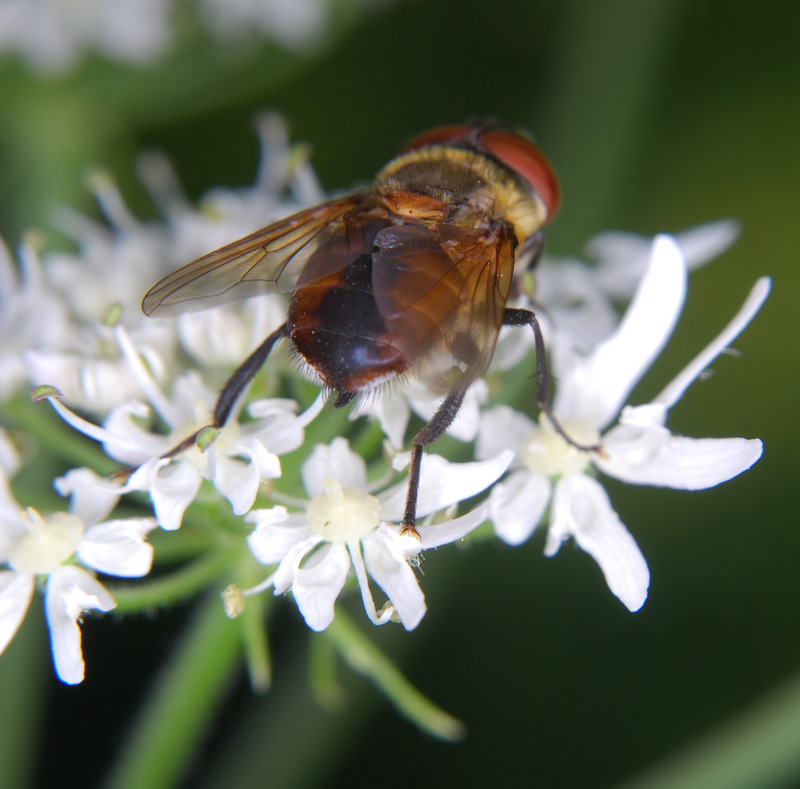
column 441, row 183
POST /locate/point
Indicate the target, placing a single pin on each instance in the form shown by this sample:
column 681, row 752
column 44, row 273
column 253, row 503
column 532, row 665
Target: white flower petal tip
column 595, row 387
column 16, row 591
column 708, row 241
column 753, row 303
column 582, row 509
column 443, row 533
column 70, row 592
column 652, row 456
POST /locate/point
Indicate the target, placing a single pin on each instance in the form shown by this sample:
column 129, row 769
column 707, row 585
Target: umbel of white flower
column 344, row 526
column 141, row 387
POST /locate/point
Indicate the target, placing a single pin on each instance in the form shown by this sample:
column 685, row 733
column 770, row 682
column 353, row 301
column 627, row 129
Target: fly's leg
column 437, row 425
column 242, row 376
column 518, row 317
column 233, row 388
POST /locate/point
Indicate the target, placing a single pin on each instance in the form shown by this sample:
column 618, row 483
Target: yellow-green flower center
column 341, row 515
column 546, row 452
column 48, row 543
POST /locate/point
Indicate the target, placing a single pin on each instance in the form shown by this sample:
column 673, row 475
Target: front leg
column 521, row 317
column 233, row 388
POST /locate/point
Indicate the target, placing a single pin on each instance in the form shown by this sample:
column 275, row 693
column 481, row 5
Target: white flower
column 31, row 316
column 295, row 23
column 237, row 462
column 53, row 34
column 344, row 526
column 640, row 449
column 622, row 258
column 34, row 547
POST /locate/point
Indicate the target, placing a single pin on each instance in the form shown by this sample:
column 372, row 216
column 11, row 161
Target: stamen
column 354, row 547
column 91, row 430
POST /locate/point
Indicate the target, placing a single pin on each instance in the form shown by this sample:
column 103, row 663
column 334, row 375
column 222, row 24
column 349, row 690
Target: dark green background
column 658, row 116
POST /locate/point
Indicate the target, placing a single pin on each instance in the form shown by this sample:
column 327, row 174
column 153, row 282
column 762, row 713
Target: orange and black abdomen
column 335, row 325
column 334, row 321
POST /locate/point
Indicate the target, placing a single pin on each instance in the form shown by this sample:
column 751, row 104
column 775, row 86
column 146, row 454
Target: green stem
column 184, row 700
column 25, row 672
column 759, row 750
column 255, row 644
column 62, row 442
column 365, row 658
column 177, row 586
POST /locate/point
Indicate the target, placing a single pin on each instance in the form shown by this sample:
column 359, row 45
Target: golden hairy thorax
column 446, row 184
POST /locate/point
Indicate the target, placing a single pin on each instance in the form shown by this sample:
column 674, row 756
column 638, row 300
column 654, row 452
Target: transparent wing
column 269, row 260
column 441, row 291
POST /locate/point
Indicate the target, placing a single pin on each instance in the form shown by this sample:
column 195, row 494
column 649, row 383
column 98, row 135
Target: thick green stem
column 184, row 700
column 759, row 750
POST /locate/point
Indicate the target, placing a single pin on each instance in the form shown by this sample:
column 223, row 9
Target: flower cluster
column 52, row 35
column 312, row 514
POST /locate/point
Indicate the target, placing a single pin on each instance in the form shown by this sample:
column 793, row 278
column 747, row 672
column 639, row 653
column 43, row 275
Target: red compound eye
column 445, row 135
column 527, row 161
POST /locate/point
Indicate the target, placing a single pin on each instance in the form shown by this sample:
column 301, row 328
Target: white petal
column 582, row 509
column 275, row 534
column 443, row 483
column 174, row 489
column 653, row 456
column 267, row 463
column 576, row 306
column 91, row 497
column 118, row 547
column 621, row 261
column 392, row 412
column 71, row 591
column 278, row 429
column 126, row 441
column 16, row 591
column 317, row 584
column 9, row 457
column 708, row 241
column 502, row 428
column 436, row 534
column 238, row 482
column 333, row 461
column 623, row 256
column 517, row 504
column 12, row 524
column 673, row 392
column 595, row 387
column 290, row 564
column 392, row 573
column 88, row 384
column 171, row 412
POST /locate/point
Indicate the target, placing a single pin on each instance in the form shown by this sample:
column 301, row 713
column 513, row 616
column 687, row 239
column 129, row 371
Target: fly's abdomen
column 335, row 325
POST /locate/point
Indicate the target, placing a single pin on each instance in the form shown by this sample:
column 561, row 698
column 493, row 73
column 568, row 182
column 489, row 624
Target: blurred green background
column 658, row 116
